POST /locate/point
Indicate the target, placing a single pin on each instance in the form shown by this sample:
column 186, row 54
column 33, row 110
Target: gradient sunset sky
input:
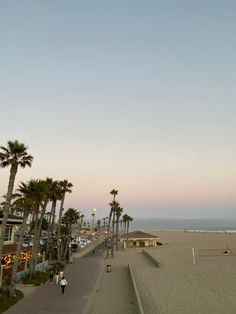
column 134, row 95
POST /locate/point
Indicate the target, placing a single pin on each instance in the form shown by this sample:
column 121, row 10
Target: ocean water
column 220, row 225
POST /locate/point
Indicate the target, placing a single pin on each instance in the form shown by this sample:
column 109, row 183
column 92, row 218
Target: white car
column 26, row 243
column 82, row 242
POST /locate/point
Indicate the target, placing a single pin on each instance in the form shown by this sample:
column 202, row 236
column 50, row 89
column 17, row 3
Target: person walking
column 51, row 274
column 63, row 284
column 61, row 274
column 57, row 277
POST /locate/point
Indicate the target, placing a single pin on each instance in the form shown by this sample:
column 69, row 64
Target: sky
column 133, row 95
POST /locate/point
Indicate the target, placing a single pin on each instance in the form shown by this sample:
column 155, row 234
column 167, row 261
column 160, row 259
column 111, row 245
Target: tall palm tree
column 113, row 205
column 81, row 220
column 114, row 193
column 25, row 205
column 104, row 223
column 70, row 217
column 98, row 225
column 118, row 212
column 65, row 187
column 13, row 156
column 125, row 219
column 128, row 221
column 55, row 195
column 36, row 190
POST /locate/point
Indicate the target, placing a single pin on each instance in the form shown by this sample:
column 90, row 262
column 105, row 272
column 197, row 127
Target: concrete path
column 81, row 275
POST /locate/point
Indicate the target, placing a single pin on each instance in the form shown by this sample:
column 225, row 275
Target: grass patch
column 38, row 278
column 6, row 301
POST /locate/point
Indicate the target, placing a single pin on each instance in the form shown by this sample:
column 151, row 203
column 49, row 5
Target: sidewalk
column 81, row 275
column 115, row 293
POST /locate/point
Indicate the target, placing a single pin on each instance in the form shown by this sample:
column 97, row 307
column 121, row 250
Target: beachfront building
column 139, row 239
column 9, row 249
column 13, row 223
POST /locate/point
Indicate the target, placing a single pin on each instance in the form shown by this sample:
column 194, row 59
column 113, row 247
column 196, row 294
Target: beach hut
column 139, row 238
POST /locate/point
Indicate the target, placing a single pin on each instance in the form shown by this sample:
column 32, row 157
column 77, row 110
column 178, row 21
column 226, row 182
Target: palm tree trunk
column 38, row 234
column 109, row 222
column 6, row 208
column 113, row 234
column 108, row 230
column 117, row 231
column 58, row 228
column 33, row 252
column 18, row 251
column 67, row 242
column 50, row 230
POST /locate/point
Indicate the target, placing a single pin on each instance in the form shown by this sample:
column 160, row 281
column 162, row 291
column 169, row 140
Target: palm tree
column 14, row 155
column 118, row 212
column 70, row 217
column 104, row 223
column 98, row 225
column 36, row 190
column 125, row 219
column 113, row 205
column 65, row 187
column 81, row 220
column 55, row 195
column 128, row 221
column 114, row 193
column 25, row 205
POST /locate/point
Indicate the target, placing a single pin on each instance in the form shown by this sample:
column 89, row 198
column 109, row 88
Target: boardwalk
column 81, row 276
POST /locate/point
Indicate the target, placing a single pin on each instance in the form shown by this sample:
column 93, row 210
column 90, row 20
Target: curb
column 152, row 258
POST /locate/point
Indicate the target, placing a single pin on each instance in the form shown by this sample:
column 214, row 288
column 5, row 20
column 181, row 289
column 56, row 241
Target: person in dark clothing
column 51, row 275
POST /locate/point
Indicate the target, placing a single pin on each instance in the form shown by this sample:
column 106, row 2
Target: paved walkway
column 115, row 293
column 81, row 275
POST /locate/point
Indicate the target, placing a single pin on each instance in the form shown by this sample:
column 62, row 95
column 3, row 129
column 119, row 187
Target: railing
column 138, row 299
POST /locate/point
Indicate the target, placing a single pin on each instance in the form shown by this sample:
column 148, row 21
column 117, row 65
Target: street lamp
column 93, row 214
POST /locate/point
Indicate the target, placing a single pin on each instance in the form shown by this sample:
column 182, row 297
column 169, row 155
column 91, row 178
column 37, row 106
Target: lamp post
column 93, row 214
column 69, row 254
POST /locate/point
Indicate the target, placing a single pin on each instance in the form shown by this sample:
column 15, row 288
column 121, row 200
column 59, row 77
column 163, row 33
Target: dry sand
column 177, row 286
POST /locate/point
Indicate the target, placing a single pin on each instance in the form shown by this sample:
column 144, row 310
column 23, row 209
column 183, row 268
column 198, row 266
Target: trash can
column 108, row 268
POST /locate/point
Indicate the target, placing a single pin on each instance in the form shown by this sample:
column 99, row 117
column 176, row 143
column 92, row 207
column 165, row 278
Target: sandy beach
column 177, row 286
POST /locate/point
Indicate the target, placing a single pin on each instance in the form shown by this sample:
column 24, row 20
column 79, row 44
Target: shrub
column 38, row 278
column 56, row 267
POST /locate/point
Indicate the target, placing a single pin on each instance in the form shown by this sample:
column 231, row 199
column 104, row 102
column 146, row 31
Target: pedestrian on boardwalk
column 51, row 274
column 63, row 284
column 61, row 274
column 57, row 277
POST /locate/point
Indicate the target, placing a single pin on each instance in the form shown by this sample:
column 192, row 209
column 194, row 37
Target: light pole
column 93, row 215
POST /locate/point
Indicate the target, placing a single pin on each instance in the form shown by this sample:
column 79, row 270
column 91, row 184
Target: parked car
column 82, row 242
column 27, row 243
column 74, row 247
